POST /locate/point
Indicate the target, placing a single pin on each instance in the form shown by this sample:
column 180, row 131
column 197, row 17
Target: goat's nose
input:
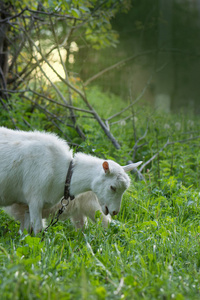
column 115, row 213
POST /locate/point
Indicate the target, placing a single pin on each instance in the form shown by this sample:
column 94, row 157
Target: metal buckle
column 64, row 204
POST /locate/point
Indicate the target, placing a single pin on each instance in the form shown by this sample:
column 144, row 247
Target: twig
column 126, row 60
column 158, row 159
column 37, row 12
column 184, row 141
column 132, row 103
column 135, row 147
column 8, row 111
column 117, row 65
column 73, row 118
column 49, row 99
column 153, row 157
column 119, row 121
column 47, row 111
column 103, row 126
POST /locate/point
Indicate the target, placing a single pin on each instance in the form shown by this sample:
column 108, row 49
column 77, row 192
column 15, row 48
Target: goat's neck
column 86, row 169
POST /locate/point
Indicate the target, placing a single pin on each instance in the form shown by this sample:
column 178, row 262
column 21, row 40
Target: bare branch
column 38, row 12
column 134, row 102
column 117, row 65
column 46, row 111
column 153, row 157
column 136, row 147
column 9, row 114
column 119, row 121
column 185, row 141
column 49, row 99
column 73, row 118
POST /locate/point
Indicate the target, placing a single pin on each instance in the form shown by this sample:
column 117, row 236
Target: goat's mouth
column 106, row 210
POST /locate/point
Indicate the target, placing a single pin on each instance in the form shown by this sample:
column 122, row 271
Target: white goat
column 33, row 168
column 83, row 206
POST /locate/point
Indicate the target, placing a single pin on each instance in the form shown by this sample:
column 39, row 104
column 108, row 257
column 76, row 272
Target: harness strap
column 67, row 183
column 65, row 197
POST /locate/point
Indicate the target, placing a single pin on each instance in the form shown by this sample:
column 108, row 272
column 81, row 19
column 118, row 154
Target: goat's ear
column 106, row 167
column 130, row 167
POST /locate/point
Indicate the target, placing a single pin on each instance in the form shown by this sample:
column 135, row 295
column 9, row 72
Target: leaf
column 75, row 13
column 23, row 251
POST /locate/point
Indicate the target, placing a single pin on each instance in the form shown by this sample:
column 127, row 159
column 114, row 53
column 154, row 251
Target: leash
column 54, row 220
column 66, row 198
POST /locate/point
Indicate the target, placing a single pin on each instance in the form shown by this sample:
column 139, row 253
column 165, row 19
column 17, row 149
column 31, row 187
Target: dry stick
column 134, row 128
column 135, row 147
column 119, row 121
column 184, row 141
column 27, row 123
column 8, row 111
column 52, row 84
column 47, row 112
column 61, row 104
column 3, row 81
column 172, row 161
column 117, row 65
column 139, row 97
column 37, row 12
column 124, row 61
column 41, row 69
column 49, row 99
column 22, row 73
column 4, row 90
column 21, row 45
column 158, row 159
column 132, row 103
column 59, row 76
column 103, row 126
column 153, row 157
column 56, row 125
column 167, row 144
column 52, row 121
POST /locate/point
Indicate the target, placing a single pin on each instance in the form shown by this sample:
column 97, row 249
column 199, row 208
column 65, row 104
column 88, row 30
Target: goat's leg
column 105, row 220
column 79, row 221
column 20, row 213
column 26, row 222
column 35, row 217
column 90, row 207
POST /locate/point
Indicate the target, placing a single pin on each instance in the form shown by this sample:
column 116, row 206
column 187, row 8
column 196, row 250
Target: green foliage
column 93, row 16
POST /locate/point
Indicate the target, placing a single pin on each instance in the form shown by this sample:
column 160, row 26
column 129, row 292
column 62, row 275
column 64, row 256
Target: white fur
column 85, row 205
column 33, row 167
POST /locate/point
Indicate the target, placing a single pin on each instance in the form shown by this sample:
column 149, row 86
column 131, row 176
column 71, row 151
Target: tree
column 32, row 33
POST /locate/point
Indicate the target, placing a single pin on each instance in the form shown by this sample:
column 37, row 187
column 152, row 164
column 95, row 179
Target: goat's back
column 32, row 164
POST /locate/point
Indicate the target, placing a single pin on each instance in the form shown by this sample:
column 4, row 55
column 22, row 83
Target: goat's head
column 110, row 185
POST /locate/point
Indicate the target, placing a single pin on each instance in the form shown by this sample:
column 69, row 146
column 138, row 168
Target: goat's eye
column 113, row 188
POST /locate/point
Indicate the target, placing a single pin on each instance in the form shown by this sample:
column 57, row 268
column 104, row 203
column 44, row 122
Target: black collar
column 67, row 183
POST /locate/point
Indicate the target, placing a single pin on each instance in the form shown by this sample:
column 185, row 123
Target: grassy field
column 150, row 251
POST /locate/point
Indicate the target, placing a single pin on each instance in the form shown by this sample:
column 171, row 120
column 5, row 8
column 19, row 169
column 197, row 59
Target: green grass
column 151, row 251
